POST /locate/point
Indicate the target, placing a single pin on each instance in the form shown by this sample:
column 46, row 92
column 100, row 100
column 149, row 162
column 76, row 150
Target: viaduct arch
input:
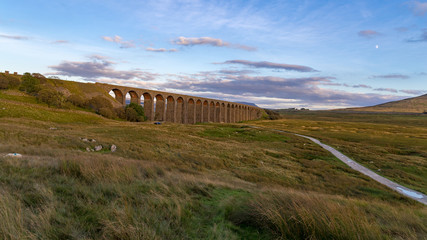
column 178, row 108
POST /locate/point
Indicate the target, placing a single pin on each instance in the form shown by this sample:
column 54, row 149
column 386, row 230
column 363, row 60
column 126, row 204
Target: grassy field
column 203, row 181
column 394, row 146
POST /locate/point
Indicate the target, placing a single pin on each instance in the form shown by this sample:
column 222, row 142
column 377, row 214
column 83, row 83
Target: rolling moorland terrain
column 202, row 181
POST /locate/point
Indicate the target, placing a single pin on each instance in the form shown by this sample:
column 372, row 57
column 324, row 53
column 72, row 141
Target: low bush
column 107, row 112
column 77, row 101
column 4, row 82
column 8, row 81
column 51, row 97
column 99, row 102
column 29, row 84
column 131, row 115
column 137, row 115
column 120, row 112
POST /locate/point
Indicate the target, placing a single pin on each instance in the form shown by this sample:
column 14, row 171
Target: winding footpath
column 417, row 196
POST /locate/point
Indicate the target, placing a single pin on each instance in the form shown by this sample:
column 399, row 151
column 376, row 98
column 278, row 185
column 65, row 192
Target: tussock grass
column 293, row 214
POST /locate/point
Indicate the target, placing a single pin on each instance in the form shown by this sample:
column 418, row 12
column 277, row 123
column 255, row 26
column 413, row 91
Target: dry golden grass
column 207, row 181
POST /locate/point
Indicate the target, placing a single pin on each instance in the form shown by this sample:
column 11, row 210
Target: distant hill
column 248, row 103
column 409, row 105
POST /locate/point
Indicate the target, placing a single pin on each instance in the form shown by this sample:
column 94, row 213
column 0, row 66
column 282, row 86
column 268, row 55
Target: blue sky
column 277, row 54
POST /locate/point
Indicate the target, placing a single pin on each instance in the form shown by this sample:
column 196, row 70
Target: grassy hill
column 170, row 181
column 409, row 105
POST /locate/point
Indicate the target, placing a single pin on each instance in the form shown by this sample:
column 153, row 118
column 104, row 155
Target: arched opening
column 133, row 97
column 217, row 112
column 205, row 111
column 148, row 106
column 190, row 111
column 170, row 109
column 117, row 94
column 212, row 112
column 199, row 111
column 159, row 108
column 223, row 113
column 180, row 110
column 228, row 113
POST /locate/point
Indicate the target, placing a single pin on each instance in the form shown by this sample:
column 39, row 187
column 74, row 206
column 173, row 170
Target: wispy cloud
column 98, row 67
column 386, row 90
column 216, row 42
column 14, row 37
column 160, row 49
column 271, row 65
column 368, row 33
column 414, row 92
column 421, row 38
column 399, row 76
column 418, row 8
column 60, row 42
column 236, row 72
column 361, row 86
column 118, row 40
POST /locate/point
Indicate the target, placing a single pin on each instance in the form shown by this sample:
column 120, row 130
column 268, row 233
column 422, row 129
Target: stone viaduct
column 177, row 108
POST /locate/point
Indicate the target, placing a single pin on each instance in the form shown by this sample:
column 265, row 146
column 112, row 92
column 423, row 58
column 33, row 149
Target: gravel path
column 417, row 196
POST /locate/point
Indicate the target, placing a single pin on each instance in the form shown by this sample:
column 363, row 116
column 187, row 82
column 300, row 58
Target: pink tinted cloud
column 216, row 42
column 272, row 65
column 368, row 33
column 118, row 40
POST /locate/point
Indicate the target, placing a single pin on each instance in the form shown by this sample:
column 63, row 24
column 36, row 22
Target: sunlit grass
column 171, row 181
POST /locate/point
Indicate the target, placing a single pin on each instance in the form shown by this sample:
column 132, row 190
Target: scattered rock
column 371, row 162
column 379, row 170
column 113, row 148
column 85, row 140
column 53, row 128
column 98, row 148
column 92, row 150
column 14, row 155
column 93, row 140
column 88, row 149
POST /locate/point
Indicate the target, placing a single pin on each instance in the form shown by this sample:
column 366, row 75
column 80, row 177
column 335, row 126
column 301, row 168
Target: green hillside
column 171, row 181
column 409, row 105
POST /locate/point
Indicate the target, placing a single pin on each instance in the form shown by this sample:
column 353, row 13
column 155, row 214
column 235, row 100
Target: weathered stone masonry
column 185, row 109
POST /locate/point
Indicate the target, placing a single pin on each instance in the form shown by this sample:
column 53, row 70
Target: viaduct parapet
column 178, row 108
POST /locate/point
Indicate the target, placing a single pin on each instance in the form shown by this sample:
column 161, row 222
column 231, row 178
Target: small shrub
column 107, row 112
column 120, row 112
column 8, row 81
column 131, row 115
column 51, row 97
column 38, row 75
column 29, row 84
column 99, row 102
column 4, row 82
column 139, row 112
column 77, row 101
column 13, row 81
